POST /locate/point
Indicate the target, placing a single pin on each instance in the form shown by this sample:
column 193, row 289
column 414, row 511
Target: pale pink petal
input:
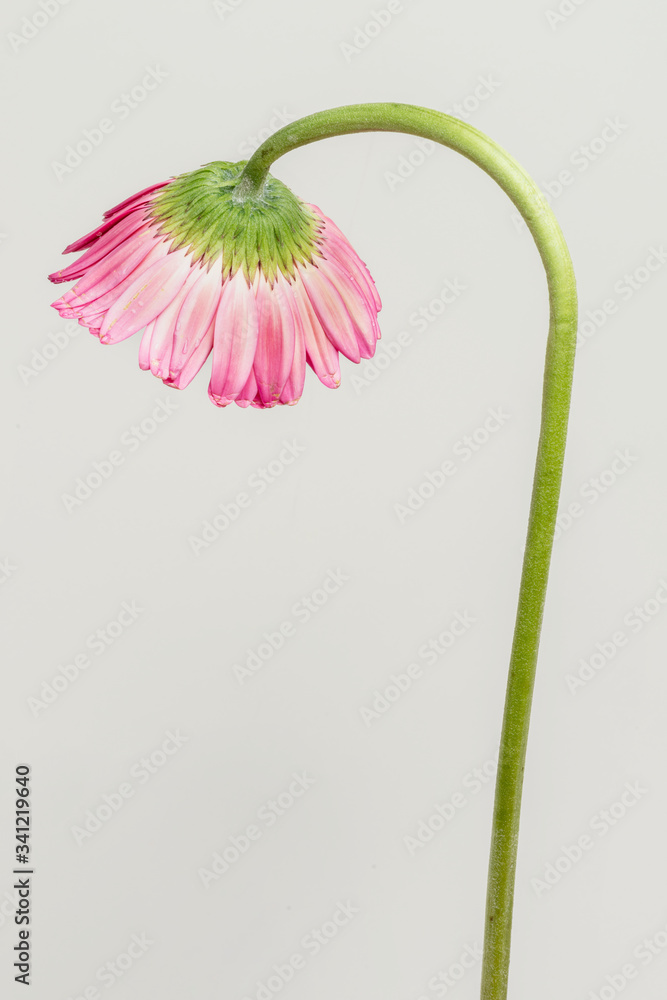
column 145, row 347
column 248, row 394
column 235, row 340
column 293, row 388
column 334, row 239
column 195, row 360
column 145, row 298
column 90, row 311
column 194, row 319
column 331, row 312
column 275, row 341
column 361, row 312
column 96, row 297
column 113, row 268
column 355, row 267
column 164, row 340
column 321, row 354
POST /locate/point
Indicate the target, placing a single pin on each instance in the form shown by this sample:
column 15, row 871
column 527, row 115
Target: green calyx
column 205, row 212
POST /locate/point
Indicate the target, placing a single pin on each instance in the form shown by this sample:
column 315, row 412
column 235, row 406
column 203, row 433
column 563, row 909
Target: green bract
column 273, row 232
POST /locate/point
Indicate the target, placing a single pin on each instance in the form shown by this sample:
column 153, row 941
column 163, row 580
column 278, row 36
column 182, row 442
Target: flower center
column 273, row 233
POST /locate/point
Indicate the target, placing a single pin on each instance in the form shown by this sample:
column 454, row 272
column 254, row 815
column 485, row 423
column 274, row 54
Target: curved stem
column 546, row 232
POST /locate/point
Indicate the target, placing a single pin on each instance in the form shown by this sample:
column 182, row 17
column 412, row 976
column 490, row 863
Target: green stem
column 546, row 232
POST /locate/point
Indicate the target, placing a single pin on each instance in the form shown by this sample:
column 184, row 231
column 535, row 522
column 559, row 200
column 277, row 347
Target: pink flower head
column 264, row 285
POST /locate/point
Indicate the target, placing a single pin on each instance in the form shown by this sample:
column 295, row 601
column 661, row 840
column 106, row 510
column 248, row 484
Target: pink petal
column 64, row 309
column 146, row 297
column 334, row 238
column 361, row 312
column 293, row 389
column 248, row 394
column 354, row 266
column 114, row 215
column 195, row 360
column 321, row 354
column 94, row 235
column 194, row 320
column 113, row 268
column 105, row 244
column 331, row 312
column 145, row 347
column 91, row 238
column 139, row 198
column 234, row 341
column 275, row 341
column 163, row 341
column 90, row 310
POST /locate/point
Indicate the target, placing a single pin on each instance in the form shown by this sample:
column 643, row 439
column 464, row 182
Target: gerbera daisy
column 264, row 284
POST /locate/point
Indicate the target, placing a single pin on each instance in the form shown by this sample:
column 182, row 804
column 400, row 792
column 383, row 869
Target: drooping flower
column 264, row 284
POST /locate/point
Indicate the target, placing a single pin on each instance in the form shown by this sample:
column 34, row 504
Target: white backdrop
column 222, row 809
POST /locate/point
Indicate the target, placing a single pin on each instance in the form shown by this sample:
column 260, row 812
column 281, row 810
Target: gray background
column 228, row 73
